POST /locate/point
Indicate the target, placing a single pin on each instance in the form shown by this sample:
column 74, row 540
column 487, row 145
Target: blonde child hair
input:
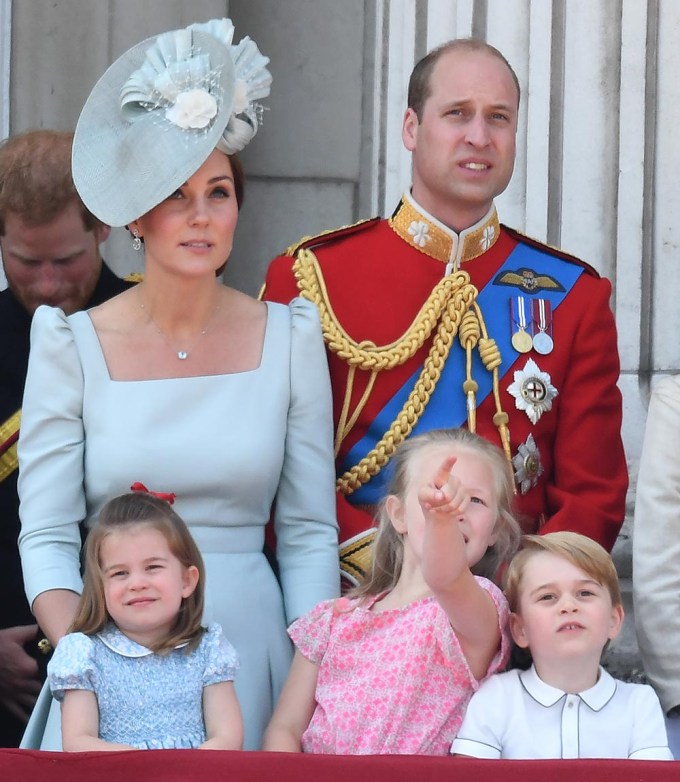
column 585, row 553
column 118, row 515
column 388, row 547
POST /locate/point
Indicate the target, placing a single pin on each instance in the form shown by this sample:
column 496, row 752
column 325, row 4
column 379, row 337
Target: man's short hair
column 35, row 178
column 419, row 84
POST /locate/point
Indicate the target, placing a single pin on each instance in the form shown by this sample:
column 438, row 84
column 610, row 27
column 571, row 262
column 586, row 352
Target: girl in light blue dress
column 137, row 670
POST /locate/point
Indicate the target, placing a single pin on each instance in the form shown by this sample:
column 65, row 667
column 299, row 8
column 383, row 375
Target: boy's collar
column 596, row 697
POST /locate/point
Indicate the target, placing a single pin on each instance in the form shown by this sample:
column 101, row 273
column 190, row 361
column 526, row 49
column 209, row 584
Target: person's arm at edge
column 591, row 477
column 656, row 544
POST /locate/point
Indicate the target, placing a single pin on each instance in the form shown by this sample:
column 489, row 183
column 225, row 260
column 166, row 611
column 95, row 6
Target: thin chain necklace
column 182, row 355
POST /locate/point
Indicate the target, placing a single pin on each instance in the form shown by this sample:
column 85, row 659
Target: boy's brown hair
column 581, row 551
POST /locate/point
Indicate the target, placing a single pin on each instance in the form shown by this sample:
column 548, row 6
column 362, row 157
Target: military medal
column 527, row 465
column 533, row 391
column 543, row 342
column 521, row 339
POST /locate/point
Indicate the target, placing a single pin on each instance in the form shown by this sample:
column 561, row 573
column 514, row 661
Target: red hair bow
column 169, row 497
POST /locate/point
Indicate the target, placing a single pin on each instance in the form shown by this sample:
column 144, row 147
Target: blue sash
column 447, row 405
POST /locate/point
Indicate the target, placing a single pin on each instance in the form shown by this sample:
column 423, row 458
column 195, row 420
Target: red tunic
column 377, row 276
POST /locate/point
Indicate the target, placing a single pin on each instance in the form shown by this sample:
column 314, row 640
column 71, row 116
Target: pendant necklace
column 182, row 355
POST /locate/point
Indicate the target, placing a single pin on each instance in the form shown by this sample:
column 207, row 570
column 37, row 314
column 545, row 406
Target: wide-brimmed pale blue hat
column 158, row 112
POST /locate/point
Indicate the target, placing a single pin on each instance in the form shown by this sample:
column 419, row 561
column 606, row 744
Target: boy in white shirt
column 564, row 595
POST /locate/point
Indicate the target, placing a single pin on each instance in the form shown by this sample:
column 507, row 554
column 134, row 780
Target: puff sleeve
column 311, row 633
column 72, row 666
column 221, row 660
column 51, row 449
column 305, row 522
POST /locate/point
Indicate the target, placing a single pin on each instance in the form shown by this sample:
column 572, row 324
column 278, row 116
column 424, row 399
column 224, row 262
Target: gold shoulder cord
column 450, row 308
column 9, row 460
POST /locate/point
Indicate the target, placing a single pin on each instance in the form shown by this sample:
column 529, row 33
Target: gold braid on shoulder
column 450, row 308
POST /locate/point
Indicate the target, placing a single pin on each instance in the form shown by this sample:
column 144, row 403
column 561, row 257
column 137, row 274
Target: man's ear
column 394, row 508
column 517, row 631
column 102, row 232
column 409, row 129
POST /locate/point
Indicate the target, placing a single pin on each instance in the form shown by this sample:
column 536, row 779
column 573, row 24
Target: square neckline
column 90, row 332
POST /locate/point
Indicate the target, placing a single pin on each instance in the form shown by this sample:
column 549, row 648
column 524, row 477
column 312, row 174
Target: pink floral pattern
column 390, row 682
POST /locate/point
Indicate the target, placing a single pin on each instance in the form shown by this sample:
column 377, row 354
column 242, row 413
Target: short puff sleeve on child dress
column 389, row 682
column 146, row 700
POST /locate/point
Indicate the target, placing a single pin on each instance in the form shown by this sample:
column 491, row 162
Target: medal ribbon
column 447, row 407
column 542, row 314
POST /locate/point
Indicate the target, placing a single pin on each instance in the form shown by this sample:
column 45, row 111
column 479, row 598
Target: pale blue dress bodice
column 146, row 700
column 226, row 445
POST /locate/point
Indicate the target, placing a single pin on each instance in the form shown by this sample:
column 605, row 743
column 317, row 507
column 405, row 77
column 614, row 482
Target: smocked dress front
column 146, row 700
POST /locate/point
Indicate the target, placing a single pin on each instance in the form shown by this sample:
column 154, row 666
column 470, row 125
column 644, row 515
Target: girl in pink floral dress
column 390, row 668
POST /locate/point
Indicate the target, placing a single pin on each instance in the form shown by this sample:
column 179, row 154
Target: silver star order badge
column 533, row 391
column 527, row 465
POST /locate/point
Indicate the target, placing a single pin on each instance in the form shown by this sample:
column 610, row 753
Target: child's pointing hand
column 444, row 494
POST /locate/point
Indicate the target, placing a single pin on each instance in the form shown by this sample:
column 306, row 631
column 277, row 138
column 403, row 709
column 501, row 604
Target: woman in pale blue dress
column 181, row 383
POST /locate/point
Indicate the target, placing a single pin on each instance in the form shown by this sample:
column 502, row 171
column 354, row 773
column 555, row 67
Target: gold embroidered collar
column 433, row 238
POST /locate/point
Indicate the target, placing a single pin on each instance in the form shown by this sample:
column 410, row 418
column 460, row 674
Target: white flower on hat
column 180, row 81
column 252, row 83
column 192, row 109
column 240, row 97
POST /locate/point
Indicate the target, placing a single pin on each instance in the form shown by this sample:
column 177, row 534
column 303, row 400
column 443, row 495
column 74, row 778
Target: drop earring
column 136, row 241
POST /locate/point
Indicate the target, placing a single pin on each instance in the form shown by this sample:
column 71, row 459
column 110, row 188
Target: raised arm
column 446, row 570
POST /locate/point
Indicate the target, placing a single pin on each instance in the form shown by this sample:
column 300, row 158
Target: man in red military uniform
column 439, row 316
